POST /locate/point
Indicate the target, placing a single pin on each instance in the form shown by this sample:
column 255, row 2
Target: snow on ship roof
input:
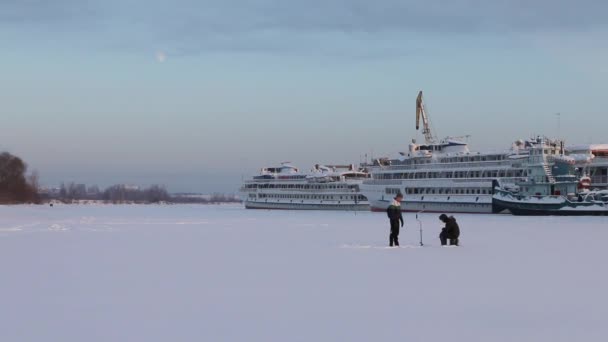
column 288, row 171
column 285, row 167
column 575, row 158
column 587, row 147
column 334, row 173
column 334, row 170
column 514, row 152
column 489, row 152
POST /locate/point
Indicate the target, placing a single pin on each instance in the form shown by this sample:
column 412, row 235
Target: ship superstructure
column 325, row 187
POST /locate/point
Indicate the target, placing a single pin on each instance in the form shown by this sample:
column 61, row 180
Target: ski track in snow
column 58, row 228
column 19, row 228
column 222, row 273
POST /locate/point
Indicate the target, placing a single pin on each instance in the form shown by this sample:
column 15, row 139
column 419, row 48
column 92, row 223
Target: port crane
column 426, row 125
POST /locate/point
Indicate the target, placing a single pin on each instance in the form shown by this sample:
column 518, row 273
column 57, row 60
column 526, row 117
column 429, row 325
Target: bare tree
column 14, row 186
column 33, row 179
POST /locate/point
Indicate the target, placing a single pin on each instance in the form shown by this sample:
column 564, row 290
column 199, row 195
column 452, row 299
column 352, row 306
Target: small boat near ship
column 584, row 204
column 566, row 192
column 325, row 187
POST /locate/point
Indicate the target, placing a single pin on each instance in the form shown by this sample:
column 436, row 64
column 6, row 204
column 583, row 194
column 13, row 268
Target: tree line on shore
column 17, row 186
column 121, row 193
column 118, row 193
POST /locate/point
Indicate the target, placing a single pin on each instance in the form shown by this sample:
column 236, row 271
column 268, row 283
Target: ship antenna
column 559, row 119
column 426, row 125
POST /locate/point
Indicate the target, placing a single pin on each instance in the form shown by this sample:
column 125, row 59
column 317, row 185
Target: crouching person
column 451, row 231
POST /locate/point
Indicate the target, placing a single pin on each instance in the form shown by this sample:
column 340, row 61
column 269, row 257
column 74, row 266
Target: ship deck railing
column 456, row 165
column 433, row 181
column 271, row 190
column 303, row 180
column 335, row 191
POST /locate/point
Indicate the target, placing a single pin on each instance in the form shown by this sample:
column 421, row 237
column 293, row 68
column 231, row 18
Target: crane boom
column 421, row 113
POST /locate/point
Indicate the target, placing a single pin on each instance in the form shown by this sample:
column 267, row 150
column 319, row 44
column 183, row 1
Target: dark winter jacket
column 451, row 229
column 394, row 212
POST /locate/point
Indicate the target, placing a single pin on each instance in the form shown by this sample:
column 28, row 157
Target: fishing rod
column 420, row 224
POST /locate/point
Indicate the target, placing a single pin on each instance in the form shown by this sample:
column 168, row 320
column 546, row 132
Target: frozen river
column 223, row 273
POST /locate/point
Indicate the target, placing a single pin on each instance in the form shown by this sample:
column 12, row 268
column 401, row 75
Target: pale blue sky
column 196, row 94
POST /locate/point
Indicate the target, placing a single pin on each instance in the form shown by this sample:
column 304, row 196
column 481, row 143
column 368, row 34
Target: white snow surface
column 223, row 273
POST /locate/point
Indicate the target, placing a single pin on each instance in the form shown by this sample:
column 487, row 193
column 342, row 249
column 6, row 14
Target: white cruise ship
column 445, row 176
column 323, row 188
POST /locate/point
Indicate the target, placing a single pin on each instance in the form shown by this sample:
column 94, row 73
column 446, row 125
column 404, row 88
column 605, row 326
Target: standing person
column 394, row 214
column 451, row 230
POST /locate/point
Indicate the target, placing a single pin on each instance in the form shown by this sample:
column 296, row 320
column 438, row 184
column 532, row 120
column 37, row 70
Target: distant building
column 93, row 191
column 51, row 192
column 79, row 191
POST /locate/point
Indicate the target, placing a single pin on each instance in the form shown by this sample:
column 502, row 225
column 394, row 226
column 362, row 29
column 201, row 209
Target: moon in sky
column 161, row 56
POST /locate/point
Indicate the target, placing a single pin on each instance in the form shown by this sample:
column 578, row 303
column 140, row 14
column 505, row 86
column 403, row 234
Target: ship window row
column 544, row 151
column 447, row 191
column 439, row 191
column 392, row 191
column 299, row 186
column 468, row 159
column 458, row 159
column 313, row 197
column 453, row 174
column 292, row 177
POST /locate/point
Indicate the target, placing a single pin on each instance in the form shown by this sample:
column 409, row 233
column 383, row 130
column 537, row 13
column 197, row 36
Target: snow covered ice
column 223, row 273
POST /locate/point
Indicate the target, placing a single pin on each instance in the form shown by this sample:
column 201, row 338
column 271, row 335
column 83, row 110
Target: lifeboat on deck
column 584, row 183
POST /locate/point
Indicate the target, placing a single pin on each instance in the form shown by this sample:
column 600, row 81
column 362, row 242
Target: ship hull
column 306, row 206
column 436, row 207
column 381, row 193
column 547, row 206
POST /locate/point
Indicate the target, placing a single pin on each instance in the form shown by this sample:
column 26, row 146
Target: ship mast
column 426, row 127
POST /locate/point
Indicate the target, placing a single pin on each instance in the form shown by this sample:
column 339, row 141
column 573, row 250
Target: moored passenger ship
column 332, row 187
column 446, row 176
